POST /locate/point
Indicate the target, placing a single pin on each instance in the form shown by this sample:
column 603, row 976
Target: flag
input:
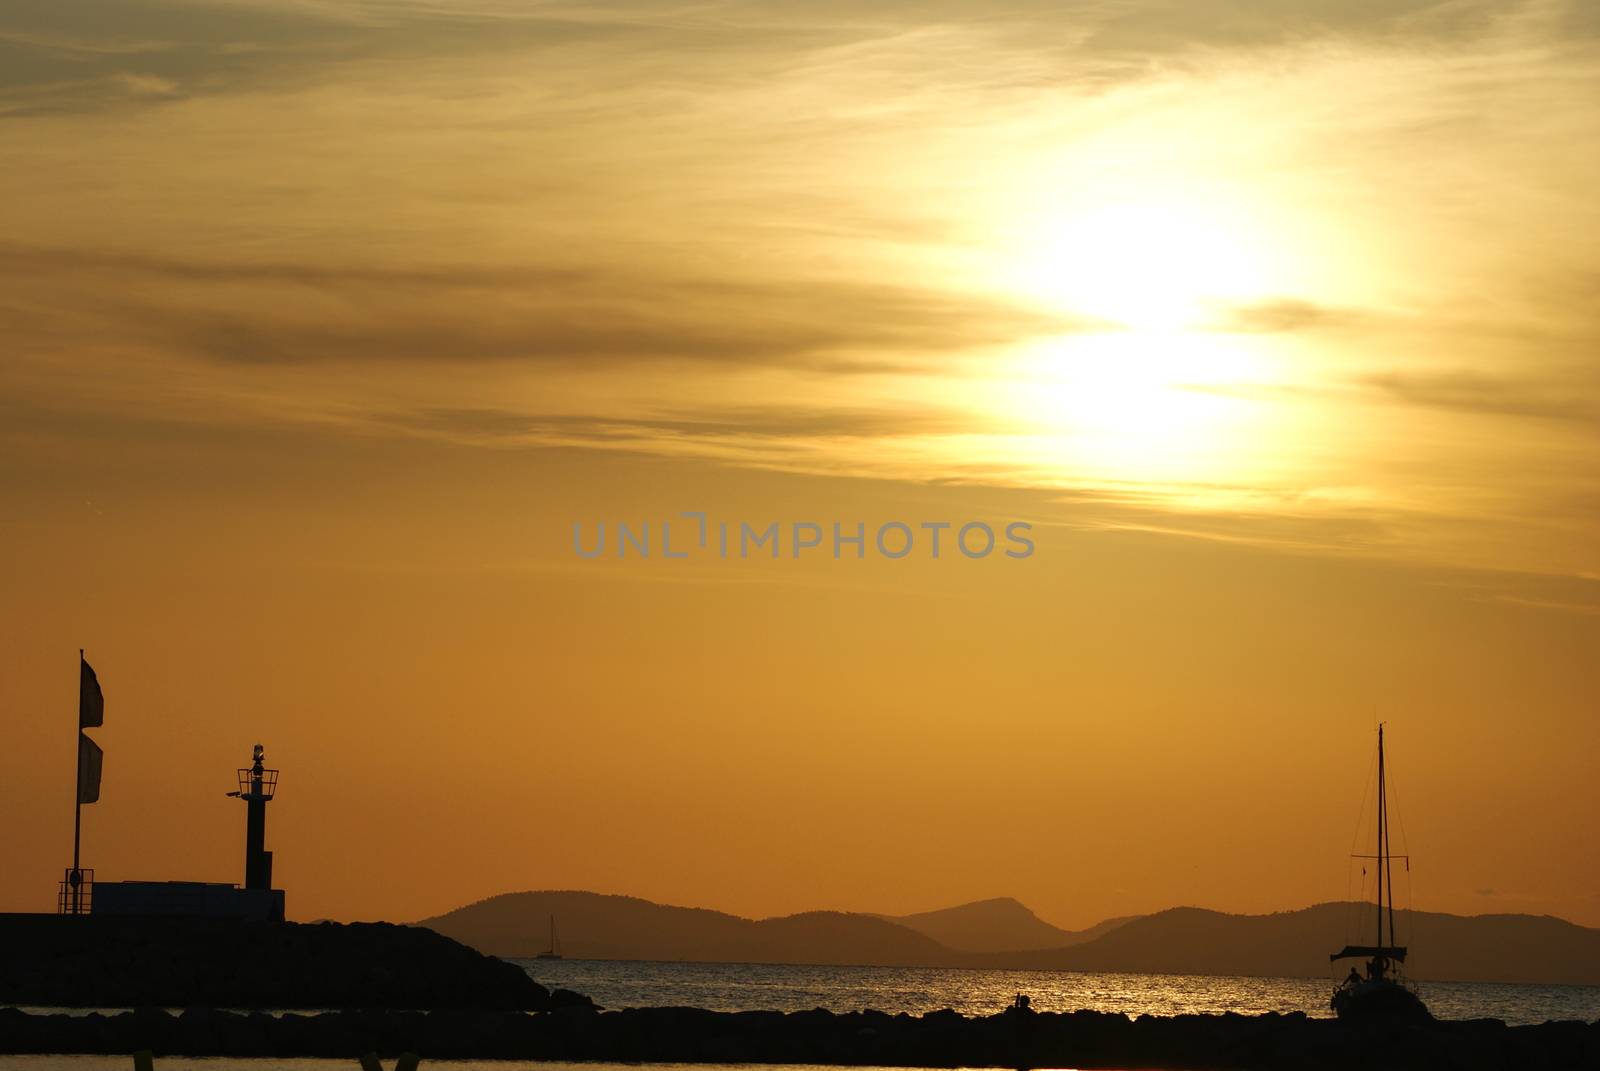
column 90, row 759
column 91, row 704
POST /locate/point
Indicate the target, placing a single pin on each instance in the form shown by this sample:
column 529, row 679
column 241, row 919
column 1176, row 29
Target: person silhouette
column 1354, row 978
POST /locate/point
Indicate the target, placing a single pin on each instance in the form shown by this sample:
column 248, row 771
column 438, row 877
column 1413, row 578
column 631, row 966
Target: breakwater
column 937, row 1039
column 109, row 962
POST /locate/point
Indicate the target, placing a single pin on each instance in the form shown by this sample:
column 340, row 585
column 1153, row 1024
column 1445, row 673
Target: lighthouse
column 256, row 901
column 257, row 786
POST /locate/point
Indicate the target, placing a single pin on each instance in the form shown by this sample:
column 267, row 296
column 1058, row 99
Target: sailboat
column 1382, row 992
column 554, row 951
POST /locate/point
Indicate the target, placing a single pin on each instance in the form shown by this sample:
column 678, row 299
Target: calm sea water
column 747, row 986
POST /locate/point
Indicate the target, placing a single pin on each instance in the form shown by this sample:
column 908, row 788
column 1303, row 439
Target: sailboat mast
column 1388, row 858
column 1382, row 795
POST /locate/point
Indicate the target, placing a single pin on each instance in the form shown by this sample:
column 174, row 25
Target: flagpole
column 76, row 877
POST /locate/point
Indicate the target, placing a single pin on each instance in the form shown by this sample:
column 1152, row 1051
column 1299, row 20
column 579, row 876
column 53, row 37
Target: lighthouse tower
column 256, row 901
column 257, row 786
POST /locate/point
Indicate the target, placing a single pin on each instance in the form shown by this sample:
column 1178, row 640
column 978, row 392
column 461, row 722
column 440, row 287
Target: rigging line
column 1366, row 794
column 1351, row 908
column 1405, row 842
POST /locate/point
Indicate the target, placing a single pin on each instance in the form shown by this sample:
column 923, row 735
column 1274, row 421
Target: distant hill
column 1184, row 940
column 595, row 926
column 998, row 925
column 1189, row 940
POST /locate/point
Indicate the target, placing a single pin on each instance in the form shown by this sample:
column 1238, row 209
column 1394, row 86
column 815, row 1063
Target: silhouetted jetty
column 102, row 961
column 1015, row 1038
column 130, row 944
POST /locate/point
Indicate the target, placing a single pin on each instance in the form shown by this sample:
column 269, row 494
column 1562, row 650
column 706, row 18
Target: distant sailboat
column 554, row 951
column 1383, row 991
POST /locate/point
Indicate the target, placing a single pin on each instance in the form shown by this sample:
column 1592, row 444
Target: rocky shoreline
column 938, row 1039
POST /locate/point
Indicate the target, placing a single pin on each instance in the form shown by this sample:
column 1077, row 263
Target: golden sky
column 323, row 322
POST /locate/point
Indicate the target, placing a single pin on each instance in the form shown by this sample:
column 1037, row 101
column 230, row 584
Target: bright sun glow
column 1136, row 405
column 1145, row 265
column 1151, row 387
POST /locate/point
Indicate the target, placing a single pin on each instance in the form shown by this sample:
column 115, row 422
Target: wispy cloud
column 1574, row 398
column 53, row 60
column 789, row 237
column 289, row 313
column 732, row 422
column 1290, row 314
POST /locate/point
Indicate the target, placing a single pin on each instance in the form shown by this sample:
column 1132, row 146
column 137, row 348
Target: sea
column 777, row 987
column 752, row 986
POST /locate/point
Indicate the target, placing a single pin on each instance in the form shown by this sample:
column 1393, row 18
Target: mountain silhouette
column 1183, row 940
column 598, row 926
column 998, row 925
column 1191, row 940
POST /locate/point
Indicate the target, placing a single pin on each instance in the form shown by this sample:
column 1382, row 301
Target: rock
column 939, row 1039
column 566, row 998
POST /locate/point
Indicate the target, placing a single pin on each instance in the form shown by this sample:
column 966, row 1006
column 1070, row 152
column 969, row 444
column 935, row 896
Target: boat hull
column 1382, row 1000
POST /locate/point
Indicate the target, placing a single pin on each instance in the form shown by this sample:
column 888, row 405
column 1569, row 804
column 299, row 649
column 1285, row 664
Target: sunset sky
column 324, row 322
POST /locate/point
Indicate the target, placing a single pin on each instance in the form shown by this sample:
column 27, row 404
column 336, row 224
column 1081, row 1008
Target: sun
column 1138, row 406
column 1159, row 265
column 1147, row 383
